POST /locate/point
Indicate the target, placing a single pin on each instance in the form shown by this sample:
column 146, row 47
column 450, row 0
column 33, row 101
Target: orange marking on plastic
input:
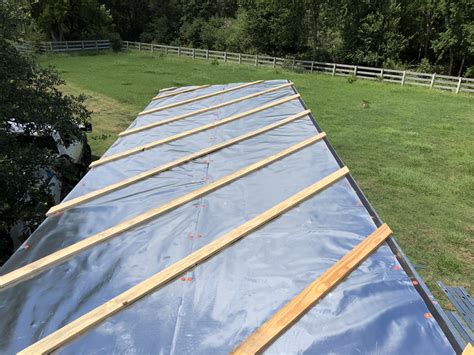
column 190, row 279
column 396, row 267
column 183, row 279
column 26, row 246
column 428, row 315
column 415, row 282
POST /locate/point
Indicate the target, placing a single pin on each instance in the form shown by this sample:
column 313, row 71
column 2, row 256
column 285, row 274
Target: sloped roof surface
column 215, row 306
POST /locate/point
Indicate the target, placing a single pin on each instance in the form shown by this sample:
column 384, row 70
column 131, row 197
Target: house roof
column 199, row 164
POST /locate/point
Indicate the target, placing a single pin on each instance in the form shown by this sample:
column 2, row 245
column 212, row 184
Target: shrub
column 299, row 68
column 425, row 66
column 115, row 42
column 469, row 72
column 351, row 79
column 391, row 64
column 287, row 63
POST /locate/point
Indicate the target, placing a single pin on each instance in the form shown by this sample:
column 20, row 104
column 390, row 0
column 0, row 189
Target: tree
column 275, row 27
column 419, row 29
column 132, row 17
column 371, row 31
column 31, row 98
column 455, row 38
column 73, row 19
column 165, row 23
column 322, row 21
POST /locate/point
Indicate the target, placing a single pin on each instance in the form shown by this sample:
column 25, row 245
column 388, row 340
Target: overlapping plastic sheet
column 216, row 305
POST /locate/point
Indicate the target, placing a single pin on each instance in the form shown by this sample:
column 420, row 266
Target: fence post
column 128, row 44
column 225, row 56
column 194, row 53
column 274, row 62
column 67, row 45
column 458, row 88
column 256, row 59
column 51, row 46
column 403, row 77
column 381, row 74
column 433, row 78
column 312, row 66
column 151, row 47
column 207, row 54
column 82, row 44
column 240, row 58
column 166, row 50
column 334, row 69
column 293, row 64
column 355, row 70
column 97, row 46
column 139, row 46
column 179, row 51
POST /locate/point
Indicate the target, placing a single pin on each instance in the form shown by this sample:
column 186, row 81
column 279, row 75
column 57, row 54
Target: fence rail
column 401, row 77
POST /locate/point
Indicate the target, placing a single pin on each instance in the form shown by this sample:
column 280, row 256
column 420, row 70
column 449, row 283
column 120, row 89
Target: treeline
column 431, row 35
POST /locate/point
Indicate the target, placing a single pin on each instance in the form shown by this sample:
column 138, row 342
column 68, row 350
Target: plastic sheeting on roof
column 214, row 307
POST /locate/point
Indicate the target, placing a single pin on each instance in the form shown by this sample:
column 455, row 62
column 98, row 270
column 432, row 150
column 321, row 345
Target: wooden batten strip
column 174, row 93
column 120, row 302
column 65, row 253
column 203, row 110
column 190, row 132
column 468, row 350
column 188, row 101
column 300, row 304
column 167, row 89
column 126, row 182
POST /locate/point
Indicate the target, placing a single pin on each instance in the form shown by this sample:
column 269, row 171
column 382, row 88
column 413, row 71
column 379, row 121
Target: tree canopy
column 30, row 99
column 436, row 34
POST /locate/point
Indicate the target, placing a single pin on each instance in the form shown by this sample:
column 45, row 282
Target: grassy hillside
column 410, row 149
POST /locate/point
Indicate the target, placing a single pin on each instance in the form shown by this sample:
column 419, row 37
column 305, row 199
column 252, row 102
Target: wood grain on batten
column 184, row 102
column 202, row 110
column 89, row 320
column 177, row 92
column 63, row 254
column 301, row 303
column 146, row 174
column 190, row 132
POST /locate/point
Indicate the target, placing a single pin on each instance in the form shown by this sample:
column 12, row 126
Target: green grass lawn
column 411, row 150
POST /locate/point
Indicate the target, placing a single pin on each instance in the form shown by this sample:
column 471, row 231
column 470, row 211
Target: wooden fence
column 401, row 77
column 63, row 46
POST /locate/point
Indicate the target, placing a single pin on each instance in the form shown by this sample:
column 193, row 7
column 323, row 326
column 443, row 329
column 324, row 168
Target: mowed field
column 410, row 149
